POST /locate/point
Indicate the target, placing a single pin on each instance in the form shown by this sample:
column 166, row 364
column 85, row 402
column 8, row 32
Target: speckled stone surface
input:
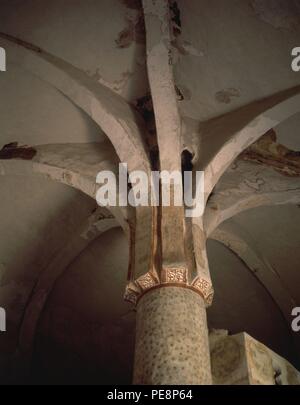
column 242, row 360
column 171, row 338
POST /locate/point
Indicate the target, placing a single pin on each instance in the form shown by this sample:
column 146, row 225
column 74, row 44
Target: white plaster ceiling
column 31, row 211
column 234, row 54
column 34, row 113
column 275, row 233
column 37, row 217
column 91, row 46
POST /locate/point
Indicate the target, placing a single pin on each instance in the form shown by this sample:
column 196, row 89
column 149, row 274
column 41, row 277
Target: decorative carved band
column 175, row 276
column 147, row 281
column 205, row 288
column 131, row 295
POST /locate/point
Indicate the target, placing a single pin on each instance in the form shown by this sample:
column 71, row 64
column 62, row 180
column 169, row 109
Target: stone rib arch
column 168, row 127
column 248, row 185
column 118, row 120
column 236, row 131
column 237, row 240
column 56, row 163
column 94, row 226
column 48, row 172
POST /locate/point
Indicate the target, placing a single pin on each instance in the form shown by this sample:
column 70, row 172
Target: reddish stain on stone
column 13, row 151
column 225, row 96
column 134, row 32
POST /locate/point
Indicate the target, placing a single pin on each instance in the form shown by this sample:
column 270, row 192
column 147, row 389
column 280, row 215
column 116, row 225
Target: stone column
column 171, row 338
column 169, row 282
column 171, row 300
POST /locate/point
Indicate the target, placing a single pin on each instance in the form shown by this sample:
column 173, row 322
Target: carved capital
column 205, row 288
column 171, row 276
column 147, row 281
column 132, row 293
column 174, row 275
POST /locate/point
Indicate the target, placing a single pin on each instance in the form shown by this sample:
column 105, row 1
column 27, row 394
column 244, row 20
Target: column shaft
column 171, row 338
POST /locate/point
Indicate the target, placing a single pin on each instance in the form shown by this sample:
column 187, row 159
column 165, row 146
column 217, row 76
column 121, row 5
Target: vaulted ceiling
column 76, row 91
